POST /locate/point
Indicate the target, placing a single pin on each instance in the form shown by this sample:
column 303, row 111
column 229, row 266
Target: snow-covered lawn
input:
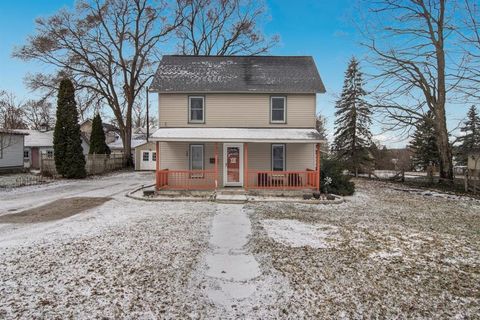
column 384, row 253
column 122, row 259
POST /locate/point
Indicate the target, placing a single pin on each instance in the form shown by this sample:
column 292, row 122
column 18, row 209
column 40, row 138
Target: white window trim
column 284, row 155
column 190, row 160
column 145, row 153
column 190, row 109
column 284, row 109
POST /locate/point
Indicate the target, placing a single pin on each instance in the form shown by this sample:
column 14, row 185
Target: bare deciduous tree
column 469, row 32
column 11, row 112
column 140, row 117
column 223, row 27
column 38, row 114
column 410, row 43
column 88, row 101
column 108, row 46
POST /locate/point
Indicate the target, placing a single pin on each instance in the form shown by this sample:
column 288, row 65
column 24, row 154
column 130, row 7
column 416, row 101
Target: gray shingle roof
column 265, row 74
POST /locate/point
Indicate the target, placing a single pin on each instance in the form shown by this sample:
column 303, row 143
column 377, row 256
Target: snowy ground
column 384, row 253
column 122, row 259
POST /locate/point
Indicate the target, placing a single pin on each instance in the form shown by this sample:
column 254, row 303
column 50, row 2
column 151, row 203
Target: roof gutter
column 160, row 139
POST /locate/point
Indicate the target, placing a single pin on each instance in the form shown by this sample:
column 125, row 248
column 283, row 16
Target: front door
column 233, row 164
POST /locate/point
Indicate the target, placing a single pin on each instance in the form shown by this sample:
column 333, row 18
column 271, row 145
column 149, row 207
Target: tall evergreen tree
column 471, row 137
column 67, row 144
column 97, row 137
column 424, row 144
column 352, row 125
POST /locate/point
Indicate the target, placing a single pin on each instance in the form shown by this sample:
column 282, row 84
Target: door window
column 233, row 164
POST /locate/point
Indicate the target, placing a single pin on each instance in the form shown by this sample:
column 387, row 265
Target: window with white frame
column 50, row 154
column 278, row 109
column 26, row 154
column 145, row 155
column 196, row 158
column 154, row 156
column 278, row 157
column 196, row 109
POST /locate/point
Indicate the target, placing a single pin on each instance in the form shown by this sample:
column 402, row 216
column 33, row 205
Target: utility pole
column 148, row 118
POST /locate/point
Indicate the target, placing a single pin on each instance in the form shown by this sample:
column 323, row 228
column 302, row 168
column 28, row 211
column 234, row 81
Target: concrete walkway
column 231, row 271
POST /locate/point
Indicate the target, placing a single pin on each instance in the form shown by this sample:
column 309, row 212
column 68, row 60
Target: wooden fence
column 470, row 181
column 95, row 164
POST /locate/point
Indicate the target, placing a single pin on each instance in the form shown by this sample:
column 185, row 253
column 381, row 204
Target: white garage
column 145, row 157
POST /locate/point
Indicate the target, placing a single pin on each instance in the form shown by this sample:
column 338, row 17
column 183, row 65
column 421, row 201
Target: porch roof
column 266, row 135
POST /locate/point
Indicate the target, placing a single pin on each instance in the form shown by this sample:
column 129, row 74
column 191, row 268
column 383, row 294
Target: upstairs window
column 278, row 109
column 196, row 109
column 278, row 157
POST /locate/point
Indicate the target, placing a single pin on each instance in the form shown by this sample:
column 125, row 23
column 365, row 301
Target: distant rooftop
column 36, row 138
column 262, row 74
column 13, row 132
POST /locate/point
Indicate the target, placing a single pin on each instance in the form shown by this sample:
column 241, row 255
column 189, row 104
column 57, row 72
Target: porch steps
column 231, row 196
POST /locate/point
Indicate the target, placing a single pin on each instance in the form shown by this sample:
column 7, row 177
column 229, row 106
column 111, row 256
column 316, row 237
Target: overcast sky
column 321, row 28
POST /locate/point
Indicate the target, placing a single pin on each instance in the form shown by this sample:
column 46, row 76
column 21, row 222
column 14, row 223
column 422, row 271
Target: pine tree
column 424, row 144
column 471, row 137
column 352, row 125
column 97, row 137
column 67, row 144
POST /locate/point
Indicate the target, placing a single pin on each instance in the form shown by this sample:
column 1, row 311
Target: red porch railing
column 205, row 180
column 282, row 180
column 186, row 179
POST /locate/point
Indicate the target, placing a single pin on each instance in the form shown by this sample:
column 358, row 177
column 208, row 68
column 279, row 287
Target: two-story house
column 243, row 121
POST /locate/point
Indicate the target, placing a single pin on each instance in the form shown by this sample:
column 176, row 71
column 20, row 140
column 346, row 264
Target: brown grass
column 55, row 210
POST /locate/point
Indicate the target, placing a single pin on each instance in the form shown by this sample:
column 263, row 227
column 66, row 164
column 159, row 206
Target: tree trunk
column 444, row 149
column 126, row 134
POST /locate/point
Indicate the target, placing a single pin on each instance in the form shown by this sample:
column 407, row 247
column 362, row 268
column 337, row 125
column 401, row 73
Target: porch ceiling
column 265, row 135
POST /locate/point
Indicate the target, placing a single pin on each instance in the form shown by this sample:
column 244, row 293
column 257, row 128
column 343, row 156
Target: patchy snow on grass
column 298, row 234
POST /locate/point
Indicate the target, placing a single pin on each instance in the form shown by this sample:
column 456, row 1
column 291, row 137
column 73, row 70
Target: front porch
column 248, row 165
column 210, row 158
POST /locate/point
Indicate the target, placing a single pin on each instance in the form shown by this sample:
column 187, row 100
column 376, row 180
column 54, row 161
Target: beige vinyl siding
column 299, row 157
column 237, row 110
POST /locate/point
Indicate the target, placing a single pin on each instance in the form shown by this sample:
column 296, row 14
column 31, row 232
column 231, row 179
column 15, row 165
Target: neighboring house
column 11, row 150
column 474, row 159
column 243, row 121
column 143, row 152
column 138, row 140
column 111, row 132
column 38, row 144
